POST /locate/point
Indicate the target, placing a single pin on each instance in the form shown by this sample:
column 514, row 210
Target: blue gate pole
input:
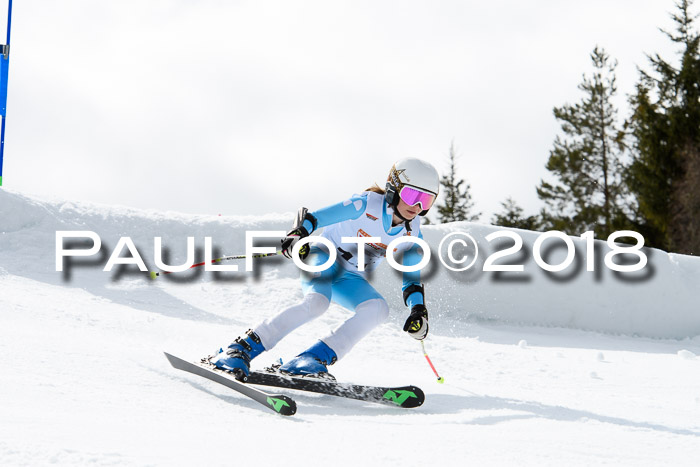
column 4, row 67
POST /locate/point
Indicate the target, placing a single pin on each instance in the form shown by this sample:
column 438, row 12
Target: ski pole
column 440, row 379
column 155, row 274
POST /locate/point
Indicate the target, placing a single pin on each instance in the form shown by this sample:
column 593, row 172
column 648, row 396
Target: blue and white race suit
column 363, row 215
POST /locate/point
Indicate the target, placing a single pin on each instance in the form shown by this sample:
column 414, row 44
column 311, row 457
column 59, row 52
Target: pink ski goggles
column 413, row 196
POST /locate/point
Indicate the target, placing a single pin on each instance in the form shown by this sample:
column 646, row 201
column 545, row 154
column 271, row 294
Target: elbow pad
column 304, row 215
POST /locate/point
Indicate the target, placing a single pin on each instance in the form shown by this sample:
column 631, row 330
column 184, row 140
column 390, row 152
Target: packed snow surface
column 571, row 368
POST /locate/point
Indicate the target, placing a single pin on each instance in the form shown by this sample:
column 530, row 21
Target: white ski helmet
column 414, row 173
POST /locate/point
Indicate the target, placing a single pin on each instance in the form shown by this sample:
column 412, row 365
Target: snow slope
column 544, row 371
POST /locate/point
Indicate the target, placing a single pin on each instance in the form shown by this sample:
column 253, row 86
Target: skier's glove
column 417, row 323
column 297, row 233
column 293, row 236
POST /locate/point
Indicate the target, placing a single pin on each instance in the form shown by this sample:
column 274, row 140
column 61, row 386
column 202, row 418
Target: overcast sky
column 252, row 107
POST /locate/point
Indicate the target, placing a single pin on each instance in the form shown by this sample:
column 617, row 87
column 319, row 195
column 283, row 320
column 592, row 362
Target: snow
column 579, row 372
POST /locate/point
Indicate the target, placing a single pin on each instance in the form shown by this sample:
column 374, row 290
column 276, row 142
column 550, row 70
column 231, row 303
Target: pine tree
column 458, row 202
column 664, row 175
column 512, row 216
column 588, row 194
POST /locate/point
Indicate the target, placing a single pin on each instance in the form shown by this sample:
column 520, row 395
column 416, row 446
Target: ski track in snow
column 83, row 379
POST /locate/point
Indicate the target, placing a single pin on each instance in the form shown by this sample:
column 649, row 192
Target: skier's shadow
column 451, row 404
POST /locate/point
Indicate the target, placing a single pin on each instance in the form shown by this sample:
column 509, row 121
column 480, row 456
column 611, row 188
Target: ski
column 405, row 396
column 278, row 403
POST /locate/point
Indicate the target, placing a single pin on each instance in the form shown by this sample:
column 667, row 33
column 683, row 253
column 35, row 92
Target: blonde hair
column 376, row 189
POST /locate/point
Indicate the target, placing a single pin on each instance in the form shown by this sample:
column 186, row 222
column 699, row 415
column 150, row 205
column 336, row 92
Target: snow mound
column 659, row 301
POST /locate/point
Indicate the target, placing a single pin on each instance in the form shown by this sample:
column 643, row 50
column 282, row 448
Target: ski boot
column 312, row 362
column 238, row 355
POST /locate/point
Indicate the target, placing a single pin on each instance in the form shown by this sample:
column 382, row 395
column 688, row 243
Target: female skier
column 411, row 189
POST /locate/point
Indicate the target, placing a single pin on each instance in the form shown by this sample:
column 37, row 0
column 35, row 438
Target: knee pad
column 275, row 328
column 315, row 304
column 376, row 309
